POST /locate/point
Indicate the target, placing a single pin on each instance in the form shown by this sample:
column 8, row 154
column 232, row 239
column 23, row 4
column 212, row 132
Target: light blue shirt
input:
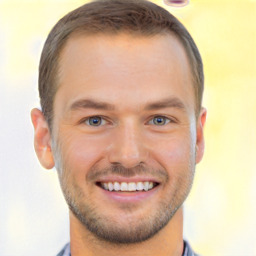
column 186, row 252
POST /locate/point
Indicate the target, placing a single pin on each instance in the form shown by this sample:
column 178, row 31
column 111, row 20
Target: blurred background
column 220, row 213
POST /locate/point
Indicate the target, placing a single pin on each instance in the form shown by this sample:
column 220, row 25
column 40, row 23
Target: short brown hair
column 138, row 17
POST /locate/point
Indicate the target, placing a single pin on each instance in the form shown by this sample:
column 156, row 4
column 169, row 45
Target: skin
column 137, row 79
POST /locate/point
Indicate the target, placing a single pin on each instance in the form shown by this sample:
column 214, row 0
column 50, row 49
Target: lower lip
column 130, row 197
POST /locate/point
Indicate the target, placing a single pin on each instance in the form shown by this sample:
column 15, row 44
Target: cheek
column 177, row 157
column 80, row 152
column 176, row 151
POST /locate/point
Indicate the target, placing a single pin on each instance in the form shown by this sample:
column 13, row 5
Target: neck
column 167, row 242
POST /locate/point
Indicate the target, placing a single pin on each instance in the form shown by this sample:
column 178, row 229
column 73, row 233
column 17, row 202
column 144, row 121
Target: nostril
column 128, row 149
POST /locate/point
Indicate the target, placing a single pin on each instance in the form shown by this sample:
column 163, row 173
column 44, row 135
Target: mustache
column 117, row 169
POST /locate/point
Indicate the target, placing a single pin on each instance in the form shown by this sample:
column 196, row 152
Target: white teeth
column 110, row 186
column 131, row 186
column 146, row 185
column 124, row 186
column 140, row 186
column 116, row 186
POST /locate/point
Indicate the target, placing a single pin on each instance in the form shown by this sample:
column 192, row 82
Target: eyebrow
column 172, row 102
column 88, row 103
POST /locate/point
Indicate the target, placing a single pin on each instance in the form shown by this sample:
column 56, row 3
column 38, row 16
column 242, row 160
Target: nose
column 128, row 146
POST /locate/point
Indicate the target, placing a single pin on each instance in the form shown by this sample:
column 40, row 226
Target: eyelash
column 166, row 120
column 103, row 120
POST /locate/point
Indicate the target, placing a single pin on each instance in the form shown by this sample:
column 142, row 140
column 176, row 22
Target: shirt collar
column 186, row 252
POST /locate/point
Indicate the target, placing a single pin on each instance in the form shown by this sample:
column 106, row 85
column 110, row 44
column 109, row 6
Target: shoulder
column 65, row 251
column 188, row 250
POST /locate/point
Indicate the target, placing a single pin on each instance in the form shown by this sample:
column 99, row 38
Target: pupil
column 95, row 121
column 159, row 120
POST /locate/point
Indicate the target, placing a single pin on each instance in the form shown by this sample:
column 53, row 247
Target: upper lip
column 128, row 179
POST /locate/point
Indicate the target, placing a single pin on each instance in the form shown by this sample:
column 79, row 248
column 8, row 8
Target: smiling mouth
column 128, row 186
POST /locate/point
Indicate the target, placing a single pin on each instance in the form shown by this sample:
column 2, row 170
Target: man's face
column 124, row 119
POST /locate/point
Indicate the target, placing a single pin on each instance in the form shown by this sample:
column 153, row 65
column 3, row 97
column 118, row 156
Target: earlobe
column 200, row 135
column 42, row 139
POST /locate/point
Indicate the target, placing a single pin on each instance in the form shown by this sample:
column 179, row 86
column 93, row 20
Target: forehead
column 115, row 67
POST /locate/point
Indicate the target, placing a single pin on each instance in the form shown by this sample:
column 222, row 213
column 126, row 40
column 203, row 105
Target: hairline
column 87, row 32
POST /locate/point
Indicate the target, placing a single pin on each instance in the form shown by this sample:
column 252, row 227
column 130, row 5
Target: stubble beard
column 109, row 229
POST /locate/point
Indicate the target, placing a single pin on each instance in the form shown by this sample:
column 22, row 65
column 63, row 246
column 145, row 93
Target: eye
column 95, row 121
column 159, row 120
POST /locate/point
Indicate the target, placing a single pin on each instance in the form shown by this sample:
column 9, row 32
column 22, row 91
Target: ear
column 200, row 135
column 42, row 139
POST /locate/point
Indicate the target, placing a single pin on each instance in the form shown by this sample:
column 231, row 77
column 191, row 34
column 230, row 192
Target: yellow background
column 220, row 213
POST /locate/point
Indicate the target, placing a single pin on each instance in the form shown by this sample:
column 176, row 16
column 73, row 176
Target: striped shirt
column 186, row 252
